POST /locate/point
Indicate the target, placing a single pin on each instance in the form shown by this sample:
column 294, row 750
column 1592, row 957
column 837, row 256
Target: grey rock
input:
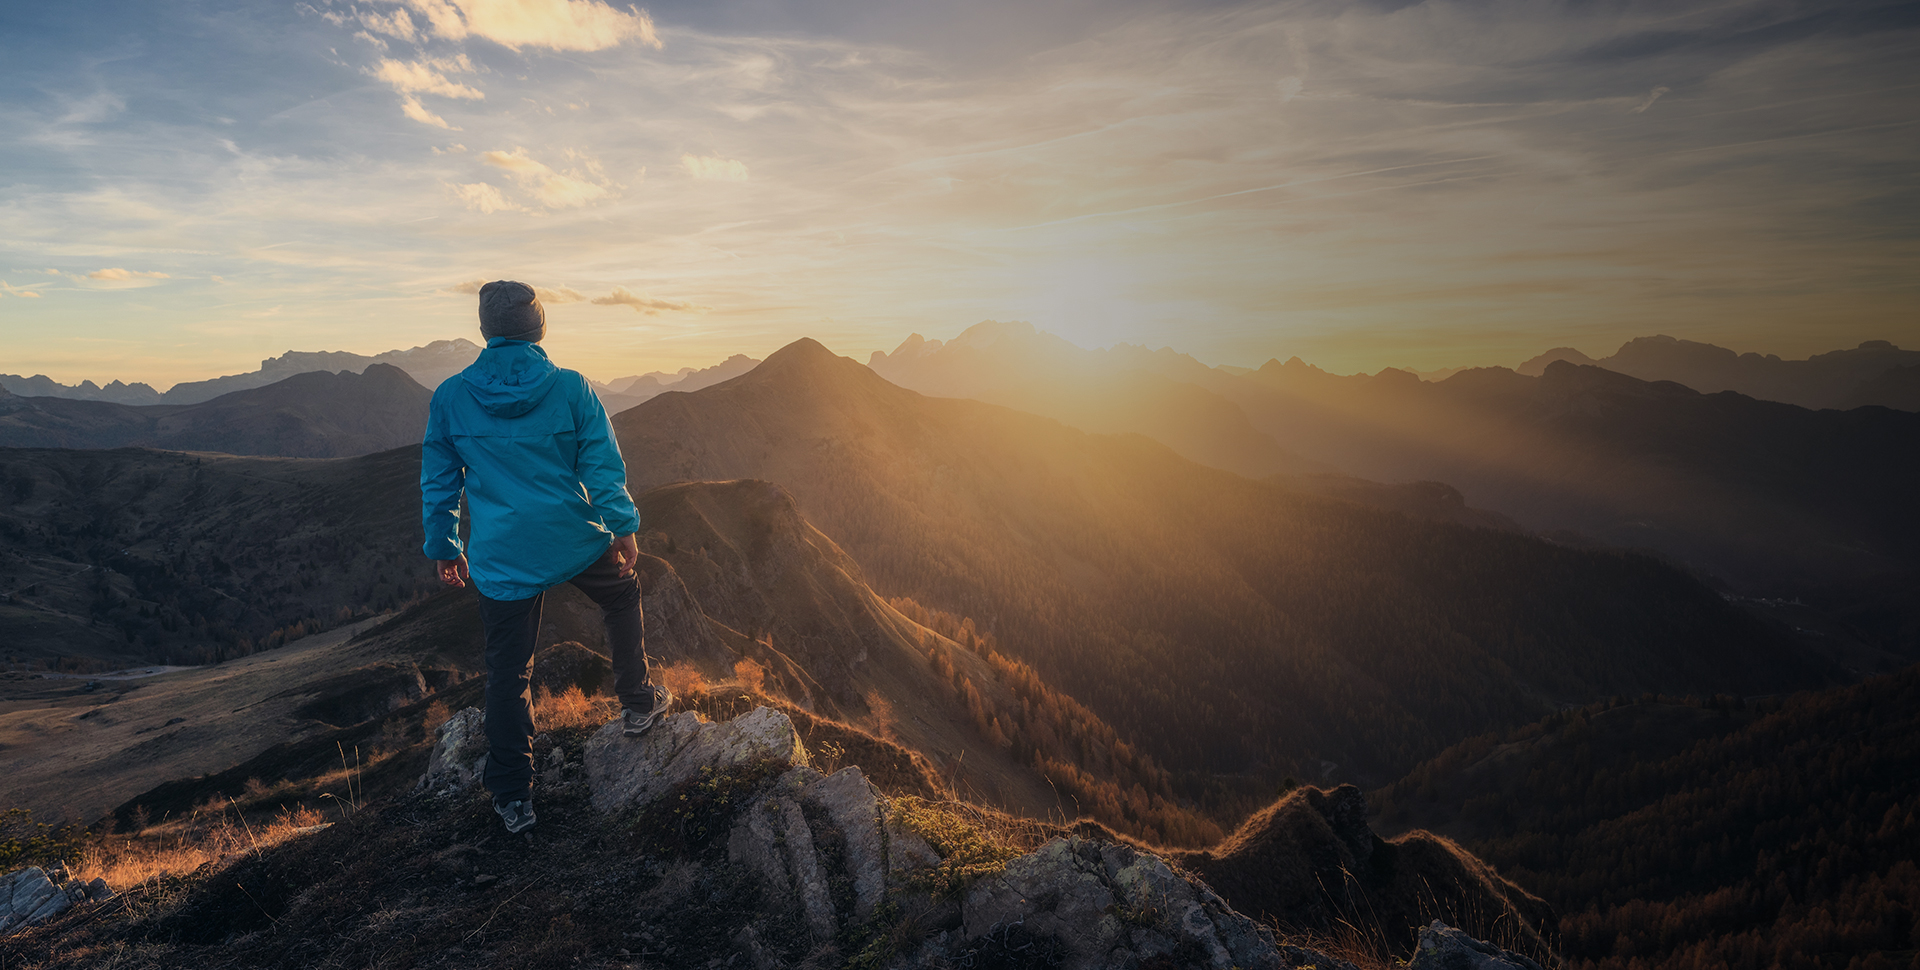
column 747, row 942
column 27, row 896
column 1102, row 905
column 906, row 850
column 1444, row 948
column 624, row 771
column 98, row 891
column 1058, row 892
column 850, row 802
column 755, row 843
column 460, row 755
column 809, row 879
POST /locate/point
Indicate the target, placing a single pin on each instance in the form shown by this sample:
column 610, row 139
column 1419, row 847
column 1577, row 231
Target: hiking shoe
column 517, row 814
column 636, row 722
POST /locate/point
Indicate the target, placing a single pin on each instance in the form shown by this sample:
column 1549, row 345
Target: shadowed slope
column 1701, row 832
column 1309, row 862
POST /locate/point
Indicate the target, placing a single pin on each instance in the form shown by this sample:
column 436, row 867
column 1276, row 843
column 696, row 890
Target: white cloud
column 413, row 78
column 555, row 190
column 714, row 168
column 397, row 25
column 642, row 303
column 410, row 77
column 116, row 274
column 481, row 197
column 4, row 285
column 412, row 108
column 566, row 25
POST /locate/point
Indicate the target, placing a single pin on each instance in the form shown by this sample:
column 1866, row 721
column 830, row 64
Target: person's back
column 531, row 448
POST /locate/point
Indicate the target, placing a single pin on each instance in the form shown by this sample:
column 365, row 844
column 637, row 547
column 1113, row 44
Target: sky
column 189, row 187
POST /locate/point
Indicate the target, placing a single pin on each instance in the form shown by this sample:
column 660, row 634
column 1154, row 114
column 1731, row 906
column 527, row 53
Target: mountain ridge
column 315, row 414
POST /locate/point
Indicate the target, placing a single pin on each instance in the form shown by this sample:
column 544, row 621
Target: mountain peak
column 805, row 351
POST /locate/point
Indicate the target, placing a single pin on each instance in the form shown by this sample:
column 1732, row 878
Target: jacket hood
column 510, row 378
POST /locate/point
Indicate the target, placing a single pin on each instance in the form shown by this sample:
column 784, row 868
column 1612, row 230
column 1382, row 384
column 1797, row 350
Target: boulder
column 852, row 806
column 460, row 755
column 1094, row 904
column 28, row 896
column 1444, row 948
column 625, row 772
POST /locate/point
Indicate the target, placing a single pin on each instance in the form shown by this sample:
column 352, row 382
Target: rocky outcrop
column 460, row 755
column 1097, row 904
column 833, row 855
column 34, row 895
column 832, row 859
column 627, row 771
column 1444, row 948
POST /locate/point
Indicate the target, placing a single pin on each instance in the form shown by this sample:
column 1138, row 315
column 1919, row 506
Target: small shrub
column 967, row 851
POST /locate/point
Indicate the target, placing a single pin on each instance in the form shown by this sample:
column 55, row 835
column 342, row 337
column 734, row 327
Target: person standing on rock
column 530, row 446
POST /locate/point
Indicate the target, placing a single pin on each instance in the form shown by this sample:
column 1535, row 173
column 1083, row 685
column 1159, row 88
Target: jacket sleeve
column 443, row 478
column 601, row 469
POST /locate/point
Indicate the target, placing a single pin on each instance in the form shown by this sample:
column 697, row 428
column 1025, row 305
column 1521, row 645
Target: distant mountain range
column 1777, row 500
column 310, row 415
column 1229, row 625
column 1874, row 373
column 428, row 365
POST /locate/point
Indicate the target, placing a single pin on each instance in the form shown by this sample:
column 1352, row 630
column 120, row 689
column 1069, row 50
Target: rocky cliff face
column 846, row 872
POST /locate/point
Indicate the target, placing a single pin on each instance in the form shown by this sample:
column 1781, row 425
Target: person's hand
column 626, row 552
column 453, row 572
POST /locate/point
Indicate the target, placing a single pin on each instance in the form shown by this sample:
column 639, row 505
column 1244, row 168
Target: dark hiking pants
column 513, row 629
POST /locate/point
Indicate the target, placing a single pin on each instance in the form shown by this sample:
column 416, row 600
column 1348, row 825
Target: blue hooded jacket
column 531, row 446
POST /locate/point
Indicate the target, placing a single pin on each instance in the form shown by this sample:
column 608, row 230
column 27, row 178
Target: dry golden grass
column 683, row 679
column 178, row 848
column 751, row 675
column 572, row 709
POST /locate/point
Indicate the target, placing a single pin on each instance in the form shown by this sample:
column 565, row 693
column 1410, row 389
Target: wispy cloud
column 561, row 25
column 10, row 290
column 1647, row 102
column 482, row 197
column 427, row 76
column 556, row 190
column 546, row 295
column 642, row 303
column 116, row 274
column 713, row 168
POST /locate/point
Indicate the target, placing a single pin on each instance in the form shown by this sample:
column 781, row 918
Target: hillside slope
column 1690, row 833
column 1228, row 626
column 309, row 415
column 130, row 556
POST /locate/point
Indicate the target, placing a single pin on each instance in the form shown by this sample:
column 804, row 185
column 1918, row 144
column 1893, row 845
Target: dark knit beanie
column 509, row 309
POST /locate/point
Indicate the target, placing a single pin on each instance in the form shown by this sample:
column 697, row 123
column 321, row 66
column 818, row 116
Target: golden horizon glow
column 1426, row 187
